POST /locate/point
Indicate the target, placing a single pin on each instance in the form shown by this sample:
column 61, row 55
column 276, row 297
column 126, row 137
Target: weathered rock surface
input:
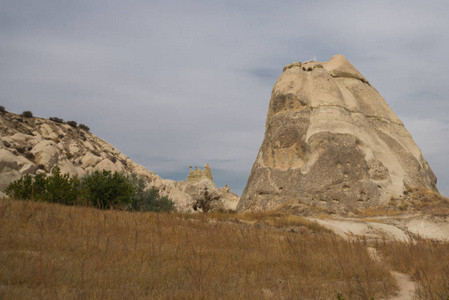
column 35, row 145
column 331, row 140
column 198, row 182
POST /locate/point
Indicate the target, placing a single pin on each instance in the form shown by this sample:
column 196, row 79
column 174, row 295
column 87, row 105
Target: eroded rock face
column 331, row 140
column 198, row 182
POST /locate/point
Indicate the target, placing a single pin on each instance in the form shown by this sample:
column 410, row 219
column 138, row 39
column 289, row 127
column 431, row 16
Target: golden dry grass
column 415, row 201
column 50, row 251
column 377, row 212
column 426, row 261
column 274, row 218
column 428, row 202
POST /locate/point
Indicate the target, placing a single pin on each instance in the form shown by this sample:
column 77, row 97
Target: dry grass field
column 427, row 263
column 49, row 251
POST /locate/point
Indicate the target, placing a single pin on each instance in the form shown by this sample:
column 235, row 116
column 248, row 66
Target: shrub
column 83, row 127
column 148, row 199
column 101, row 189
column 107, row 190
column 21, row 150
column 72, row 123
column 27, row 114
column 204, row 203
column 56, row 119
column 29, row 155
column 21, row 189
column 2, row 109
column 57, row 188
column 60, row 188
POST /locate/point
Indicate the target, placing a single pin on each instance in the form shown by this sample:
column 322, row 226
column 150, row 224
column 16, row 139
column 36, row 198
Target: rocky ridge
column 33, row 145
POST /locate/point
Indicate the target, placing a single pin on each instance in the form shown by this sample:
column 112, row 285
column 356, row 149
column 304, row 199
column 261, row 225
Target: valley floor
column 51, row 251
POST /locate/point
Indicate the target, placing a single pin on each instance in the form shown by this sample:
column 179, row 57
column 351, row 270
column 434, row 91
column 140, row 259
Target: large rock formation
column 35, row 145
column 331, row 140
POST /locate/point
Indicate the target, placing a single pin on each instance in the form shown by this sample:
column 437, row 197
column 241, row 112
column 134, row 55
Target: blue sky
column 179, row 83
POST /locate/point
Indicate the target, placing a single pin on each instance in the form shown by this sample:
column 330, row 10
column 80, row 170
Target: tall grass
column 426, row 261
column 49, row 251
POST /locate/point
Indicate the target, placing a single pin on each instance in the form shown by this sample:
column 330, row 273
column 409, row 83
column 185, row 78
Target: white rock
column 331, row 140
column 108, row 165
column 46, row 153
column 28, row 169
column 89, row 160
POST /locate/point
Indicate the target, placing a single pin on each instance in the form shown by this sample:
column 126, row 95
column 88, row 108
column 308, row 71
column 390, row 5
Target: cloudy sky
column 179, row 83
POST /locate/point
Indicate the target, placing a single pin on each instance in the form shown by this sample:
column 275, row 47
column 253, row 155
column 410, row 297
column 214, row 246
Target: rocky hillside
column 33, row 145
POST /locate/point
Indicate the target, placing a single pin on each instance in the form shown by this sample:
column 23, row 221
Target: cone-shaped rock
column 332, row 140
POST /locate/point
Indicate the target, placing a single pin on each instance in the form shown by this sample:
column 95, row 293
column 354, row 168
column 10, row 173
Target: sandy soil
column 406, row 286
column 398, row 228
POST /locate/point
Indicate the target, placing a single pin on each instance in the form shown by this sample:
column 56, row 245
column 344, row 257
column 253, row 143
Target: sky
column 173, row 84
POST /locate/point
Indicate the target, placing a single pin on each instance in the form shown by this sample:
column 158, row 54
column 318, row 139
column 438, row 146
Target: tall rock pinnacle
column 332, row 140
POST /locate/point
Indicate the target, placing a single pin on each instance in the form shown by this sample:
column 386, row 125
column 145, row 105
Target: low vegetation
column 101, row 189
column 56, row 119
column 27, row 114
column 72, row 123
column 52, row 251
column 83, row 127
column 415, row 201
column 426, row 261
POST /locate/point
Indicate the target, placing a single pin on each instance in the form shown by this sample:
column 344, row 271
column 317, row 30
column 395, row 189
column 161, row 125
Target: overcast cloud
column 179, row 83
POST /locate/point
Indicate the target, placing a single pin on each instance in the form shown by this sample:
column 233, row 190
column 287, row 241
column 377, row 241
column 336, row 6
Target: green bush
column 56, row 119
column 148, row 199
column 101, row 189
column 2, row 109
column 21, row 189
column 83, row 127
column 27, row 114
column 107, row 190
column 72, row 123
column 57, row 188
column 61, row 188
